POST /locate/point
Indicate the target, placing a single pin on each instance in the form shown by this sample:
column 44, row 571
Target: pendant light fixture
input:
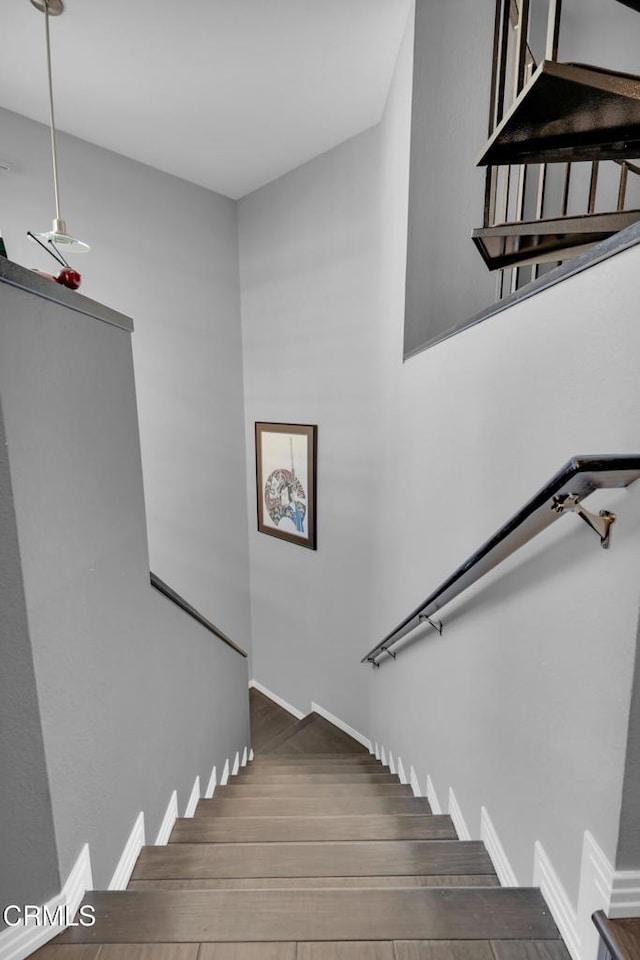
column 58, row 234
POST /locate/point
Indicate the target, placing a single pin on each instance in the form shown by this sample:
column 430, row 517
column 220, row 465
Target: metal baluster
column 553, row 29
column 593, row 186
column 540, row 197
column 565, row 190
column 521, row 47
column 622, row 189
column 501, row 75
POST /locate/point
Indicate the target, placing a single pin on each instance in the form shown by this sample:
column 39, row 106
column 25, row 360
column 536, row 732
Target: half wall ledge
column 18, row 276
column 623, row 240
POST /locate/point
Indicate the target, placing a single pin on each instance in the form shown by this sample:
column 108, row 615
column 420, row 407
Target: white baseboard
column 16, row 943
column 496, row 851
column 392, row 763
column 224, row 779
column 211, row 786
column 596, row 884
column 625, row 894
column 243, row 762
column 337, row 722
column 127, row 861
column 383, row 757
column 432, row 797
column 251, row 754
column 400, row 771
column 168, row 821
column 276, row 699
column 376, row 751
column 192, row 803
column 236, row 764
column 456, row 815
column 545, row 877
column 415, row 785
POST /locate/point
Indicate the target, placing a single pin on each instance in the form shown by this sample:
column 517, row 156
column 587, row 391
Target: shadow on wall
column 490, row 593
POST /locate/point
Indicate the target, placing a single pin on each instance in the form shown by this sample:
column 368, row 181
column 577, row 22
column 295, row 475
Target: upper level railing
column 555, row 206
column 563, row 493
column 179, row 601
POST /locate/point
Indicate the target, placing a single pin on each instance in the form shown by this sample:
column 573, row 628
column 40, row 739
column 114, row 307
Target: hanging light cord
column 52, row 123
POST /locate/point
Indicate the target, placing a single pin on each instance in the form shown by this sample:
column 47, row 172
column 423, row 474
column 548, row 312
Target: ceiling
column 229, row 94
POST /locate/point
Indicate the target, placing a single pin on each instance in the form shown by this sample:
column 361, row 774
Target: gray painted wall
column 628, row 852
column 26, row 823
column 164, row 252
column 446, row 279
column 136, row 699
column 309, row 274
column 523, row 704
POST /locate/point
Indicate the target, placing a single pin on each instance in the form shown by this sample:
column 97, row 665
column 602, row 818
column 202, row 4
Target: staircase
column 314, row 851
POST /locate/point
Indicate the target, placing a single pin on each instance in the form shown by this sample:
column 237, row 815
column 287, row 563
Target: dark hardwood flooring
column 314, row 852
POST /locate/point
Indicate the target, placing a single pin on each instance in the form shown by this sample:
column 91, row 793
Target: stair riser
column 288, row 769
column 281, row 759
column 308, row 806
column 317, row 883
column 393, row 857
column 289, row 790
column 314, row 777
column 290, row 829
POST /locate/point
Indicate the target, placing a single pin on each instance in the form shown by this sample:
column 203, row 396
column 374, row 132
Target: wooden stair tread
column 309, row 806
column 539, row 241
column 315, row 776
column 314, row 790
column 351, row 950
column 532, row 950
column 323, row 767
column 263, row 759
column 315, row 883
column 569, row 111
column 299, row 859
column 248, row 951
column 318, row 950
column 480, row 950
column 292, row 915
column 283, row 828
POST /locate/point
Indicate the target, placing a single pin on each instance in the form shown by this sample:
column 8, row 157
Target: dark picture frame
column 286, row 475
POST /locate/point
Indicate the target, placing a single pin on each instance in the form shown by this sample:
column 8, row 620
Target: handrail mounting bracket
column 600, row 523
column 436, row 624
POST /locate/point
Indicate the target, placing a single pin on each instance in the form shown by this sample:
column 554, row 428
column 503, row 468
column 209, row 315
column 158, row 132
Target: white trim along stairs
column 601, row 887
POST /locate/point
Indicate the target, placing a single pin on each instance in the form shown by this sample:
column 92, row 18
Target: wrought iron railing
column 519, row 193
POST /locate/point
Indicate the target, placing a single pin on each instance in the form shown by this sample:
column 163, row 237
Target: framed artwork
column 286, row 481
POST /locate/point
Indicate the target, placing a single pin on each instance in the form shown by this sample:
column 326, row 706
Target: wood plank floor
column 313, row 852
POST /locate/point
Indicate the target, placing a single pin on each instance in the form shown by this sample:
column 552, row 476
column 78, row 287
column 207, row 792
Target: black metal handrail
column 563, row 493
column 621, row 938
column 163, row 588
